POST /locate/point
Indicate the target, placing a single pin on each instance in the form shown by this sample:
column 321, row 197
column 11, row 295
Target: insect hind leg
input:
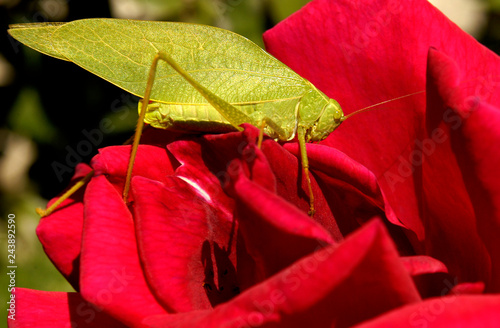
column 139, row 127
column 235, row 116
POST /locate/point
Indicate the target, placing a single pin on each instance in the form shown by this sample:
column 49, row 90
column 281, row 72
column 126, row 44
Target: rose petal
column 429, row 275
column 197, row 168
column 462, row 224
column 452, row 311
column 483, row 183
column 151, row 161
column 291, row 185
column 187, row 249
column 468, row 288
column 416, row 265
column 111, row 275
column 34, row 308
column 62, row 246
column 350, row 188
column 275, row 232
column 337, row 286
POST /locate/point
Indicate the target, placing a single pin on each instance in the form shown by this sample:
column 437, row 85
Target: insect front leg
column 262, row 121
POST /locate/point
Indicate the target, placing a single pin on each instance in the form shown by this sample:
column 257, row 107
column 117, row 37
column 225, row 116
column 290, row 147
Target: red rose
column 187, row 246
column 216, row 233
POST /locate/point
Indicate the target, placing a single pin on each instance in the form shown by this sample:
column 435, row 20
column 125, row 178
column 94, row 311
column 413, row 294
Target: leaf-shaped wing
column 231, row 66
column 37, row 36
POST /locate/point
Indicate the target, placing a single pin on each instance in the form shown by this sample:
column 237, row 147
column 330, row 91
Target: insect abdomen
column 205, row 118
column 188, row 118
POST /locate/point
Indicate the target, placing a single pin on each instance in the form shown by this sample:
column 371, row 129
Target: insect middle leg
column 301, row 135
column 262, row 122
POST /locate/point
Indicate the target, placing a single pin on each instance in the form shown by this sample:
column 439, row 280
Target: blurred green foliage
column 494, row 5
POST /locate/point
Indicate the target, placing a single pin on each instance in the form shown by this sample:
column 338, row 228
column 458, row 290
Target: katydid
column 192, row 77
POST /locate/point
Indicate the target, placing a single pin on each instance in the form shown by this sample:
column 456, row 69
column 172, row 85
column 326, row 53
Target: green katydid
column 212, row 80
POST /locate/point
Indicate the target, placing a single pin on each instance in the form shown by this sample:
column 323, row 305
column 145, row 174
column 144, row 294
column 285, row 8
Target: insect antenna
column 372, row 107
